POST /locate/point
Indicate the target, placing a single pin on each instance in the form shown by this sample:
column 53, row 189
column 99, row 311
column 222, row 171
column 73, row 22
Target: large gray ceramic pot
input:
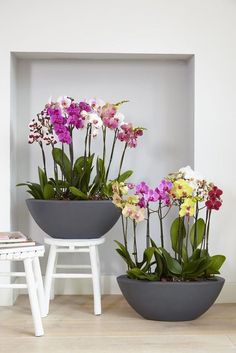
column 74, row 219
column 170, row 301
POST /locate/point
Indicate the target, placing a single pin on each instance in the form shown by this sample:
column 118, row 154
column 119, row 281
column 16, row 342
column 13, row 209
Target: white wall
column 203, row 28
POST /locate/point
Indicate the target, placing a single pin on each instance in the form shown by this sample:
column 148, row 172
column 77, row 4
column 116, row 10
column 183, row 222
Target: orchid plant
column 189, row 258
column 59, row 123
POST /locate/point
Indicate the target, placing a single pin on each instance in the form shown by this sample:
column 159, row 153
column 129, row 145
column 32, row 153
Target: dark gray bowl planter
column 74, row 219
column 170, row 301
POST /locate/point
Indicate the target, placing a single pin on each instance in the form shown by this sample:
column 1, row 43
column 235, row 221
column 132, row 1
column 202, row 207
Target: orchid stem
column 187, row 237
column 104, row 144
column 44, row 159
column 195, row 228
column 122, row 159
column 85, row 146
column 207, row 232
column 148, row 228
column 112, row 152
column 90, row 140
column 161, row 224
column 135, row 243
column 124, row 231
column 71, row 149
column 55, row 166
column 203, row 244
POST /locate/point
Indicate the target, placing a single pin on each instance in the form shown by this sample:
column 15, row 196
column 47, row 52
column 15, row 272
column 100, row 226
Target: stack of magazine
column 14, row 240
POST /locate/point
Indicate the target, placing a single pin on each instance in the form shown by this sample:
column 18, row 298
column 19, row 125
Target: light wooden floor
column 71, row 327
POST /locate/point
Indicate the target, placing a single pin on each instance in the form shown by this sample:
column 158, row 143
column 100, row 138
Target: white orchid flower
column 119, row 117
column 84, row 114
column 189, row 173
column 96, row 103
column 95, row 120
column 64, row 101
column 94, row 132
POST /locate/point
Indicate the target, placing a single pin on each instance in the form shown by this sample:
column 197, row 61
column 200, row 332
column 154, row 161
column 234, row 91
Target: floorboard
column 71, row 327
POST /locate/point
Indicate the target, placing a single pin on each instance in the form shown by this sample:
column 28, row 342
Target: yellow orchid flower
column 133, row 199
column 124, row 189
column 115, row 187
column 134, row 212
column 187, row 208
column 117, row 200
column 120, row 188
column 181, row 188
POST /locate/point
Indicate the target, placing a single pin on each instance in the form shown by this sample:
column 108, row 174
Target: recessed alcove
column 160, row 89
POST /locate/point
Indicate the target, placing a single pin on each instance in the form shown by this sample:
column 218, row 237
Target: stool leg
column 49, row 274
column 32, row 290
column 52, row 291
column 99, row 269
column 40, row 289
column 94, row 259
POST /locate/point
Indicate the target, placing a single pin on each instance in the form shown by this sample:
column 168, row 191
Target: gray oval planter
column 74, row 219
column 170, row 301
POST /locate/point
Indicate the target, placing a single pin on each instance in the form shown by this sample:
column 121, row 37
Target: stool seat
column 34, row 284
column 20, row 254
column 73, row 242
column 58, row 245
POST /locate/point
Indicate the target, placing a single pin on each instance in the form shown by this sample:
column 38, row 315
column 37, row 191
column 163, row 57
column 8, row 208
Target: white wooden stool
column 34, row 284
column 73, row 246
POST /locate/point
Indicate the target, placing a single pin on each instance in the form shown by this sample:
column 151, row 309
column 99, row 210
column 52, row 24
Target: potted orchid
column 177, row 283
column 78, row 185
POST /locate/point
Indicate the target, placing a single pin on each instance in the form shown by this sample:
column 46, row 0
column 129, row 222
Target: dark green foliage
column 157, row 263
column 75, row 182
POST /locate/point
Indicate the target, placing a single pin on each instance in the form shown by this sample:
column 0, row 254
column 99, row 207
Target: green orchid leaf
column 147, row 258
column 197, row 233
column 99, row 180
column 137, row 273
column 196, row 255
column 123, row 252
column 64, row 163
column 215, row 264
column 153, row 243
column 173, row 265
column 37, row 189
column 196, row 268
column 177, row 230
column 42, row 178
column 86, row 174
column 79, row 194
column 107, row 190
column 124, row 176
column 48, row 192
column 160, row 267
column 59, row 184
column 34, row 189
column 78, row 170
column 184, row 254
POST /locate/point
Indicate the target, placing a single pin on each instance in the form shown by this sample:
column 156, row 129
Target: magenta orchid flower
column 129, row 134
column 151, row 196
column 163, row 191
column 142, row 188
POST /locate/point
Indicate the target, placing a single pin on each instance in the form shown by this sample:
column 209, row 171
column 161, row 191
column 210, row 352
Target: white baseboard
column 110, row 286
column 83, row 286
